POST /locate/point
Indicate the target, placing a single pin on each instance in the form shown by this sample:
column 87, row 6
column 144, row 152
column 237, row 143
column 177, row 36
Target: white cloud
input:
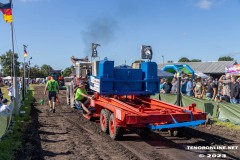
column 204, row 4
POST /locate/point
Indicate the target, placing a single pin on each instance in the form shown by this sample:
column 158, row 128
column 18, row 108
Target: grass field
column 13, row 141
column 5, row 92
column 226, row 124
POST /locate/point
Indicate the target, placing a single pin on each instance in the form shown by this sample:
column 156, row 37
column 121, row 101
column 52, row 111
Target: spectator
column 5, row 108
column 234, row 90
column 174, row 85
column 225, row 80
column 211, row 89
column 1, row 101
column 194, row 83
column 162, row 82
column 219, row 92
column 1, row 94
column 10, row 91
column 166, row 87
column 199, row 88
column 189, row 87
column 184, row 75
column 184, row 85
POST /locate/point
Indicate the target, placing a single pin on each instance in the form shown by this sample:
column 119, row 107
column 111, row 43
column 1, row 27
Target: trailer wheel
column 104, row 118
column 115, row 132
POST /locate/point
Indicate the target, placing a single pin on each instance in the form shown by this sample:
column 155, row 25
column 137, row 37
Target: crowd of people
column 226, row 88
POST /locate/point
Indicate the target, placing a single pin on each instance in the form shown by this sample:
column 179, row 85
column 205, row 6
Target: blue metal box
column 150, row 76
column 106, row 69
column 127, row 80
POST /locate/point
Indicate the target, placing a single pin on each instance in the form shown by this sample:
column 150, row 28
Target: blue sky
column 55, row 30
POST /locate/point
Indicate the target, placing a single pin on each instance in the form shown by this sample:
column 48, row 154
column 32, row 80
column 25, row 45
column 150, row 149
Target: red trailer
column 122, row 100
column 117, row 113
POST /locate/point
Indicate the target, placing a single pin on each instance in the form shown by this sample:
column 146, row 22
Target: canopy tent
column 202, row 75
column 7, row 78
column 164, row 74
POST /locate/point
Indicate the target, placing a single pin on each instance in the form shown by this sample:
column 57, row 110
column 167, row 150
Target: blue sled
column 176, row 125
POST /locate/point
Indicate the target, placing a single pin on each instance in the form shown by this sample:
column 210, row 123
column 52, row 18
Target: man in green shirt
column 82, row 98
column 52, row 87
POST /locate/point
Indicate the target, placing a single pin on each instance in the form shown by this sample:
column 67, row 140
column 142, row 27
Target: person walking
column 52, row 87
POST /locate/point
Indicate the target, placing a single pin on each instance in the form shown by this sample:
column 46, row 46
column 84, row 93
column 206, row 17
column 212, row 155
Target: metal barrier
column 5, row 120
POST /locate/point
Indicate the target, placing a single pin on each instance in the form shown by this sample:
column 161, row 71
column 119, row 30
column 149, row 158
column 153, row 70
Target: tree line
column 224, row 58
column 35, row 71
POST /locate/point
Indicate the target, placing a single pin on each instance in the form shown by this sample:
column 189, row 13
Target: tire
column 104, row 119
column 116, row 133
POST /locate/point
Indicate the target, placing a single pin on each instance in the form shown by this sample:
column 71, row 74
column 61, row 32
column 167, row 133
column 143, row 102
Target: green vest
column 52, row 85
column 78, row 95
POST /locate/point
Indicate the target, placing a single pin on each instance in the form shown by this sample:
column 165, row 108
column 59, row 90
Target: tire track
column 151, row 145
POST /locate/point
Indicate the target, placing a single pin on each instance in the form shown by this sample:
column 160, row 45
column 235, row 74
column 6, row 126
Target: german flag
column 7, row 11
column 25, row 53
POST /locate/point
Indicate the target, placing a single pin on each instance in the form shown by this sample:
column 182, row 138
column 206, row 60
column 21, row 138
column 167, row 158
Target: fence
column 222, row 110
column 6, row 118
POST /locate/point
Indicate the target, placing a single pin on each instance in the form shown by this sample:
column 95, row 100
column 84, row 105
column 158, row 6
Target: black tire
column 104, row 119
column 115, row 132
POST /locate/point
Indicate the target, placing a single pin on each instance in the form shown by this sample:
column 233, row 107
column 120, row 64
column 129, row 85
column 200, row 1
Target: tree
column 196, row 60
column 225, row 58
column 6, row 60
column 67, row 72
column 36, row 72
column 184, row 59
column 46, row 69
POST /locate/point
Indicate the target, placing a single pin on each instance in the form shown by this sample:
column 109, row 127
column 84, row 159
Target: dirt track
column 67, row 135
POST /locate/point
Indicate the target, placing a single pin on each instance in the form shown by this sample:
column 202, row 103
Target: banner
column 233, row 69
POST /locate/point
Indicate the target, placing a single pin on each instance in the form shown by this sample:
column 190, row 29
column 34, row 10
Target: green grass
column 5, row 92
column 13, row 141
column 229, row 125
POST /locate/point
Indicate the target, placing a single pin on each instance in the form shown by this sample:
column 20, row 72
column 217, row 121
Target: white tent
column 7, row 78
column 200, row 74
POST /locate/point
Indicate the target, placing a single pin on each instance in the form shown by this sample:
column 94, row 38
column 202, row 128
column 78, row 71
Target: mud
column 67, row 135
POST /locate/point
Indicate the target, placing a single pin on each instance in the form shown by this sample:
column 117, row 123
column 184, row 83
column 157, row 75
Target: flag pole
column 15, row 86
